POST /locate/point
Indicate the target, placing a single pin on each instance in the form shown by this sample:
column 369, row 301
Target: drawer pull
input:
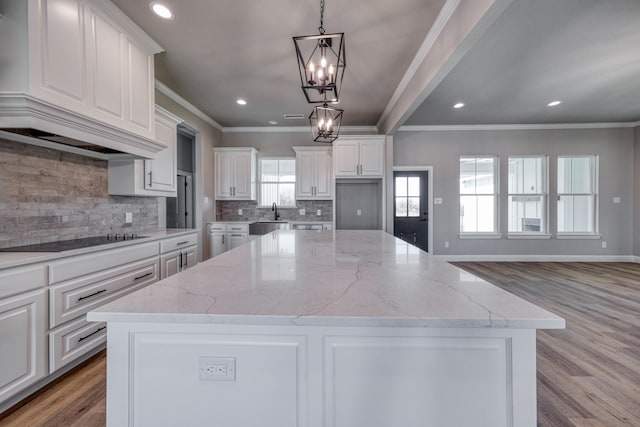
column 91, row 334
column 143, row 276
column 92, row 295
column 182, row 243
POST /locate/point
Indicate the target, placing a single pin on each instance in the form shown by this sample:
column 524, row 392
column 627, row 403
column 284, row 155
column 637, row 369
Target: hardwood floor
column 77, row 399
column 588, row 374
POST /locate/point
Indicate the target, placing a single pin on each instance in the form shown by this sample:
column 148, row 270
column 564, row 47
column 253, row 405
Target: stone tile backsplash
column 48, row 195
column 227, row 210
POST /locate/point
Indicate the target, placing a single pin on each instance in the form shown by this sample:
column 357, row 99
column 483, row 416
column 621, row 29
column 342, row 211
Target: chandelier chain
column 321, row 29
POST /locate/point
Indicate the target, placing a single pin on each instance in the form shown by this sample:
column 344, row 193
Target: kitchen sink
column 264, row 227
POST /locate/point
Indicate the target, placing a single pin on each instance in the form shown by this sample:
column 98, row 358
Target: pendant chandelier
column 321, row 62
column 325, row 123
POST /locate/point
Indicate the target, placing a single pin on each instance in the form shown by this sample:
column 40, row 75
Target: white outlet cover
column 318, row 212
column 437, row 201
column 239, row 211
column 217, row 368
column 616, row 200
column 128, row 218
column 302, row 212
column 359, row 212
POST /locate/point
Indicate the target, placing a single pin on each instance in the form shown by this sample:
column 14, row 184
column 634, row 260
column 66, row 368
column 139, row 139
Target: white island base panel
column 313, row 376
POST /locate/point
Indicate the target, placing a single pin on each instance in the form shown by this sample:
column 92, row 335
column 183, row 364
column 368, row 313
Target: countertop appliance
column 67, row 245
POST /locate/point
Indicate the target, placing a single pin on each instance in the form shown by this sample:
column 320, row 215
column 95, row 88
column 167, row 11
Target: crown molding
column 305, row 129
column 541, row 126
column 163, row 88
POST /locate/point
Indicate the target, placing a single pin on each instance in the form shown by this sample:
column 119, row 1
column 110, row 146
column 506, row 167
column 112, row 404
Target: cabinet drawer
column 14, row 281
column 71, row 299
column 86, row 264
column 176, row 243
column 71, row 341
column 237, row 228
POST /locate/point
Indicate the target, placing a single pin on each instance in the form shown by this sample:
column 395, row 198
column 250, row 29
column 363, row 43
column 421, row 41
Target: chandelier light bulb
column 321, row 124
column 323, row 62
column 329, row 124
column 320, row 73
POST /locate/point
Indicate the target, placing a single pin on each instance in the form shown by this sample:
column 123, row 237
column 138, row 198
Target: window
column 478, row 194
column 527, row 195
column 577, row 185
column 407, row 194
column 277, row 182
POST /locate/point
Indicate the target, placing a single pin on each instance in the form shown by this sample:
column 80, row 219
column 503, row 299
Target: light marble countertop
column 15, row 259
column 330, row 278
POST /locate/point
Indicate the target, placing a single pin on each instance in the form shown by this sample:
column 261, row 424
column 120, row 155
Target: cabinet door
column 305, row 175
column 188, row 258
column 140, row 86
column 224, row 174
column 22, row 328
column 169, row 264
column 371, row 158
column 346, row 158
column 217, row 244
column 160, row 172
column 237, row 239
column 58, row 55
column 242, row 176
column 323, row 175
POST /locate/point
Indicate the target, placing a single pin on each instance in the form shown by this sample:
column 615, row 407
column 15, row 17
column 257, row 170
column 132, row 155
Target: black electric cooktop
column 67, row 245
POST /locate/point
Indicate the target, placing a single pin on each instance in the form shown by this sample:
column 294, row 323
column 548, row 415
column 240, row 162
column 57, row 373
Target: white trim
column 538, row 258
column 578, row 236
column 161, row 87
column 305, row 129
column 635, row 259
column 131, row 27
column 472, row 236
column 537, row 126
column 528, row 236
column 436, row 29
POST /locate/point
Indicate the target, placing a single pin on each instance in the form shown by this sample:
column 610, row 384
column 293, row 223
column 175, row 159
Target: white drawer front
column 237, row 228
column 176, row 243
column 14, row 281
column 71, row 341
column 77, row 266
column 71, row 299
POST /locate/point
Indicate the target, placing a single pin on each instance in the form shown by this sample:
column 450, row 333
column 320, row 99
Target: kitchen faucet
column 274, row 208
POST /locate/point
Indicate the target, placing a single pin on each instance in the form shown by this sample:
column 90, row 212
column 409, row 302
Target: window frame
column 495, row 234
column 260, row 182
column 594, row 168
column 544, row 231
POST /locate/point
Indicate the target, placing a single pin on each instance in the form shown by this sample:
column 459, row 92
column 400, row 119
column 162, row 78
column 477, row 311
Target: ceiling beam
column 459, row 26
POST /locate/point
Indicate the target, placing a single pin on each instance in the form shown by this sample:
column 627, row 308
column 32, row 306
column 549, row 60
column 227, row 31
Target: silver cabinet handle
column 186, row 258
column 91, row 334
column 142, row 277
column 223, row 239
column 182, row 243
column 150, row 179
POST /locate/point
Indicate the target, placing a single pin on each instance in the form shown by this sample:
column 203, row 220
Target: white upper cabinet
column 235, row 173
column 356, row 157
column 314, row 173
column 84, row 63
column 156, row 177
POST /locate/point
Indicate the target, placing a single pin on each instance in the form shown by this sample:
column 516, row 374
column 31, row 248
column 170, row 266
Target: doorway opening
column 412, row 205
column 180, row 209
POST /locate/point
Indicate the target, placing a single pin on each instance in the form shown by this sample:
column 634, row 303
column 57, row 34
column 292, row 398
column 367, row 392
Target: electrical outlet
column 446, row 243
column 616, row 200
column 128, row 218
column 437, row 201
column 318, row 212
column 302, row 212
column 359, row 212
column 604, row 245
column 239, row 211
column 217, row 368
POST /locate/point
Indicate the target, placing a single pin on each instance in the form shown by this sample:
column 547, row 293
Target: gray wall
column 48, row 195
column 442, row 149
column 636, row 191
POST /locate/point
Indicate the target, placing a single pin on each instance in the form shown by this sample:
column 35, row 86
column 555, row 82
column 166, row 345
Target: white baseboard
column 540, row 258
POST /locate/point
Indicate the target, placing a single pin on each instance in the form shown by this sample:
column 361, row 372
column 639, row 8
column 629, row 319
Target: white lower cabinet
column 226, row 236
column 71, row 341
column 177, row 261
column 22, row 329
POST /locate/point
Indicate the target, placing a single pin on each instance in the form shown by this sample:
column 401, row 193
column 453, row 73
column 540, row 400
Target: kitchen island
column 323, row 328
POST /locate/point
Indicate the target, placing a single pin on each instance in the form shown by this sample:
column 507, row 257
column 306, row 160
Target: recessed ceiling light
column 459, row 105
column 241, row 102
column 272, row 122
column 161, row 10
column 554, row 103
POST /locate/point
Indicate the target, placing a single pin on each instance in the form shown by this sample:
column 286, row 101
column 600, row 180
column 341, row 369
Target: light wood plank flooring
column 588, row 374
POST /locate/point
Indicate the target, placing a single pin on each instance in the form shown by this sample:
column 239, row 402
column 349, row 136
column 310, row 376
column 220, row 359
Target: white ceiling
column 583, row 52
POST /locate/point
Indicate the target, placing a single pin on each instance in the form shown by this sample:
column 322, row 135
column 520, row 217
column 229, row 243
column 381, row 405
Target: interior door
column 410, row 213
